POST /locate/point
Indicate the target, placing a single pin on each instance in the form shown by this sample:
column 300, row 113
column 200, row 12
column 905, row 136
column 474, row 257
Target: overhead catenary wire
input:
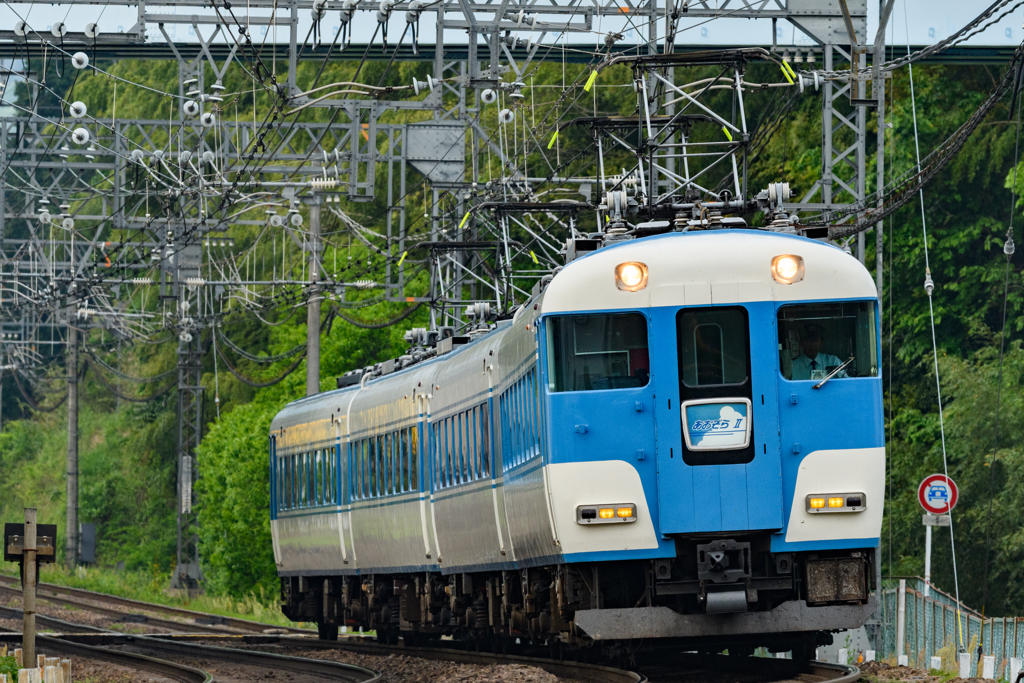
column 929, row 287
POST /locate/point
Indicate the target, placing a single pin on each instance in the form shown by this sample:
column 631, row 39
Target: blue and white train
column 680, row 437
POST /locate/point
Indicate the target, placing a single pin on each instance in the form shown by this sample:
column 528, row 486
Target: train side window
column 414, row 458
column 319, row 473
column 357, row 468
column 817, row 339
column 485, row 439
column 286, row 493
column 595, row 352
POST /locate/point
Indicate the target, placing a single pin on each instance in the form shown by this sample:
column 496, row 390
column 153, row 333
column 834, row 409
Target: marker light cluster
column 631, row 276
column 606, row 513
column 818, row 503
column 788, row 268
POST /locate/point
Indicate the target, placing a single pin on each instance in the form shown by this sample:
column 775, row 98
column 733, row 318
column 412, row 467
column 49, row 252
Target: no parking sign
column 937, row 494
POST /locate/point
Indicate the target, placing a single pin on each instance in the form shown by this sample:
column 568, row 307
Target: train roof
column 705, row 267
column 308, row 407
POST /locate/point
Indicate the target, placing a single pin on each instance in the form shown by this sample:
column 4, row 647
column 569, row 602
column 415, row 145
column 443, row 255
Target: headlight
column 788, row 268
column 631, row 276
column 817, row 503
column 608, row 513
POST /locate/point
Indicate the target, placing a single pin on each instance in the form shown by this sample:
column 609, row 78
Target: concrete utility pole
column 313, row 313
column 71, row 552
column 28, row 584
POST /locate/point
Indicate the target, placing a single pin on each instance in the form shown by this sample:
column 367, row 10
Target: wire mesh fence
column 922, row 627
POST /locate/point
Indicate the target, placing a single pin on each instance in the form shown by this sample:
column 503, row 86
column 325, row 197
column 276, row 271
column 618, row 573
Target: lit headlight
column 610, row 513
column 817, row 503
column 631, row 276
column 788, row 268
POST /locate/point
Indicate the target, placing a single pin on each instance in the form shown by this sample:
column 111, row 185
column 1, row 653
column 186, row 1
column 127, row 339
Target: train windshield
column 818, row 339
column 593, row 352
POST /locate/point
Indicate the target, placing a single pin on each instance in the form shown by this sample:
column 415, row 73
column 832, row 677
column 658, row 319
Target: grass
column 152, row 587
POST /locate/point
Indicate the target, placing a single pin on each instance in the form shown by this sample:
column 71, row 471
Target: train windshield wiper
column 832, row 374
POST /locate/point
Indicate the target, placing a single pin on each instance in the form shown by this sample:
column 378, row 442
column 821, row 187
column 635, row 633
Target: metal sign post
column 938, row 495
column 29, row 544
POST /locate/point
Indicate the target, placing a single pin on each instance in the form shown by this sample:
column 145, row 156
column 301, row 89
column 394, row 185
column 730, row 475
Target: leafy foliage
column 128, row 452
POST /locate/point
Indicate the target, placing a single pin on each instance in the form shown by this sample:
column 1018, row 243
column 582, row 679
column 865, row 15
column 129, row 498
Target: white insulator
column 417, row 86
column 68, row 223
column 190, row 108
column 296, row 220
column 137, row 156
column 79, row 60
column 44, row 217
column 80, row 136
column 142, row 281
column 364, row 284
column 318, row 10
column 207, row 119
column 276, row 221
column 506, row 116
column 432, row 83
column 91, row 30
column 323, row 183
column 184, row 156
column 414, row 10
column 194, row 282
column 77, row 110
column 488, row 96
column 58, row 29
column 209, row 156
column 20, row 29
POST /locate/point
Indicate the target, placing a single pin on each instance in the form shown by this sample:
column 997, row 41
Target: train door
column 422, row 454
column 341, row 475
column 719, row 466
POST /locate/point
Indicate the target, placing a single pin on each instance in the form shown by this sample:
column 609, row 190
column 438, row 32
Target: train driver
column 812, row 363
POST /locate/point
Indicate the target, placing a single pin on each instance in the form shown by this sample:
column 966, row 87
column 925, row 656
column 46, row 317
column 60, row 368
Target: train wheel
column 327, row 631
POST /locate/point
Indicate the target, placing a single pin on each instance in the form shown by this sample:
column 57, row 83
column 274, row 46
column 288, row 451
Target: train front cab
column 762, row 480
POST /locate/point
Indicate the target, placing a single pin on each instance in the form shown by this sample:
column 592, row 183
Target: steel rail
column 46, row 590
column 123, row 617
column 163, row 667
column 73, row 637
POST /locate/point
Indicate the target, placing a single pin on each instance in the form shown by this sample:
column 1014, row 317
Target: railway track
column 688, row 668
column 136, row 652
column 85, row 599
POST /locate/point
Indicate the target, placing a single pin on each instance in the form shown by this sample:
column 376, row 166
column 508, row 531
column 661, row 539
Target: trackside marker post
column 28, row 583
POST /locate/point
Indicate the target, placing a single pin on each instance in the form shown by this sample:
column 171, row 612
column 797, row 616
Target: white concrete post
column 1015, row 667
column 988, row 667
column 936, row 664
column 903, row 660
column 844, row 656
column 869, row 655
column 965, row 665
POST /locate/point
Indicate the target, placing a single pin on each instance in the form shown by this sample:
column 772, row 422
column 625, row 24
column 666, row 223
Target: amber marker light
column 606, row 513
column 624, row 512
column 631, row 276
column 835, row 502
column 817, row 503
column 788, row 268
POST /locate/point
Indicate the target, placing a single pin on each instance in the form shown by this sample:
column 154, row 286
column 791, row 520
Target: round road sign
column 937, row 494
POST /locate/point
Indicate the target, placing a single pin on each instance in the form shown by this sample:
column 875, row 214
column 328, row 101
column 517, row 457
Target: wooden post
column 18, row 657
column 65, row 664
column 28, row 584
